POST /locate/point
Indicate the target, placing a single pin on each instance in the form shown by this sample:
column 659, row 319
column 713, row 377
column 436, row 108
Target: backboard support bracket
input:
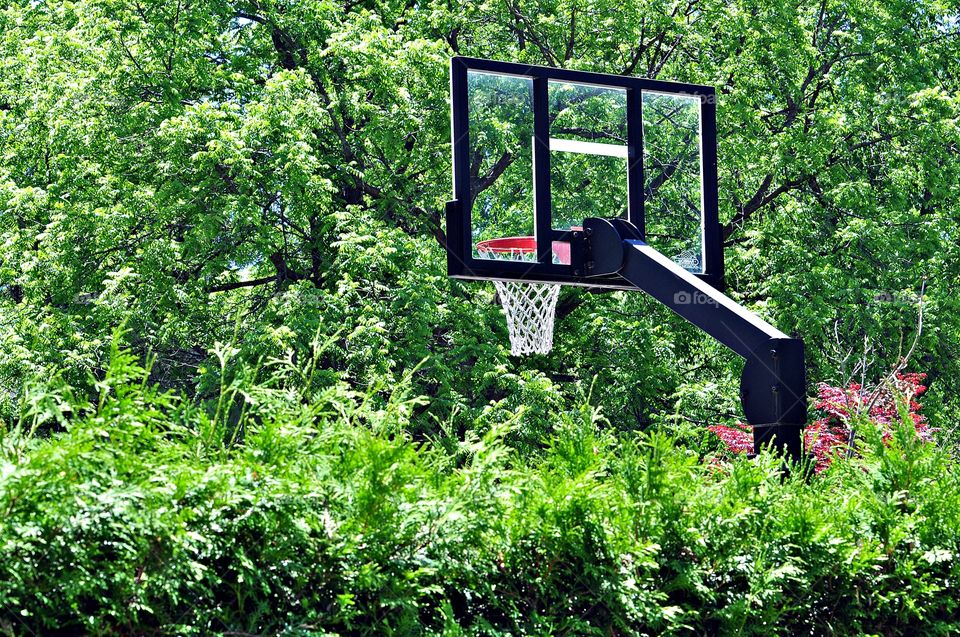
column 773, row 383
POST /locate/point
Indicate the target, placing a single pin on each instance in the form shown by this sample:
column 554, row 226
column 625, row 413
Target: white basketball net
column 530, row 308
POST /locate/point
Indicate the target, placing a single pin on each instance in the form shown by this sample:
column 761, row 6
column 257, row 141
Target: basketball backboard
column 537, row 149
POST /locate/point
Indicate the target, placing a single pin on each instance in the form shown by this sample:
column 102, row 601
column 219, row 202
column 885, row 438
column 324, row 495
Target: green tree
column 277, row 170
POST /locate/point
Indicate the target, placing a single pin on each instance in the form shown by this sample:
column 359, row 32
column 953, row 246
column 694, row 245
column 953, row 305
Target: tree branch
column 223, row 287
column 482, row 183
column 573, row 32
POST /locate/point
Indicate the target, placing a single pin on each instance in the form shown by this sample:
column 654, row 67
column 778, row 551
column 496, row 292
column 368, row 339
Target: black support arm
column 773, row 384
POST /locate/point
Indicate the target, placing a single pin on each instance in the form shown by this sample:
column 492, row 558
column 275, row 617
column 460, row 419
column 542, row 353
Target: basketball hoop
column 530, row 308
column 493, row 114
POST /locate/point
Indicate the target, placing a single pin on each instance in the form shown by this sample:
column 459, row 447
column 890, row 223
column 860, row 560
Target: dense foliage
column 331, row 437
column 313, row 514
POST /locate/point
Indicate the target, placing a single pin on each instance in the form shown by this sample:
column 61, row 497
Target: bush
column 845, row 411
column 274, row 510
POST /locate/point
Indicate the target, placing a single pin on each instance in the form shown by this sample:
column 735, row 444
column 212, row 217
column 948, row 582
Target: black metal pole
column 773, row 383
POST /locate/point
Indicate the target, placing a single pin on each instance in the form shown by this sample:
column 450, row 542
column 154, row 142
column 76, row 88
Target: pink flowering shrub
column 831, row 434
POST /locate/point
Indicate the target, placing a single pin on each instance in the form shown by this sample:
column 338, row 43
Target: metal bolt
column 589, row 265
column 773, row 353
column 588, row 231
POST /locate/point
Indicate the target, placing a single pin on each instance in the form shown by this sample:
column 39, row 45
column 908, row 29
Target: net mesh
column 530, row 308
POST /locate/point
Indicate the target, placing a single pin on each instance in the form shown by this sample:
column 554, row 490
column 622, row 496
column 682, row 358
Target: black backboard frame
column 462, row 264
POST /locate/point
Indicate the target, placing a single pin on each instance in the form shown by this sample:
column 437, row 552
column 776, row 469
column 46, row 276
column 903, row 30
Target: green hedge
column 273, row 512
